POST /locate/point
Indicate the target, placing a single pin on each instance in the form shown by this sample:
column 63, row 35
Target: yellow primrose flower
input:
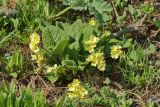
column 39, row 58
column 97, row 60
column 116, row 51
column 34, row 57
column 76, row 82
column 34, row 47
column 92, row 59
column 34, row 37
column 92, row 40
column 73, row 85
column 76, row 90
column 102, row 66
column 83, row 91
column 51, row 69
column 34, row 40
column 91, row 43
column 72, row 95
column 92, row 22
column 90, row 48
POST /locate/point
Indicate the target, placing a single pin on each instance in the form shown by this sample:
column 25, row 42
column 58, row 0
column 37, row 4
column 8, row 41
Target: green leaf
column 147, row 8
column 15, row 22
column 140, row 53
column 133, row 55
column 105, row 91
column 113, row 40
column 5, row 39
column 62, row 101
column 101, row 9
column 127, row 43
column 68, row 63
column 15, row 63
column 157, row 23
column 70, row 66
column 4, row 87
column 52, row 78
column 14, row 74
column 151, row 49
column 137, row 13
column 121, row 19
column 77, row 4
column 60, row 46
column 107, row 81
column 131, row 9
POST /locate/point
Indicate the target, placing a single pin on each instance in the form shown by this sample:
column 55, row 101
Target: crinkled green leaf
column 68, row 63
column 147, row 8
column 101, row 9
column 77, row 4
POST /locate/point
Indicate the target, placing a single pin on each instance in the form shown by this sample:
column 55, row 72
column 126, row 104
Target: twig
column 157, row 5
column 116, row 13
column 42, row 81
column 119, row 86
column 155, row 33
column 59, row 14
column 138, row 97
column 131, row 28
column 140, row 23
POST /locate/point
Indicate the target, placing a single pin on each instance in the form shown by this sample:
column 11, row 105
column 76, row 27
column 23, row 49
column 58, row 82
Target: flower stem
column 59, row 14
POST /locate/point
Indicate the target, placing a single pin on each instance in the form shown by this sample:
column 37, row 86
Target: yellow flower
column 83, row 91
column 116, row 51
column 102, row 66
column 34, row 37
column 34, row 47
column 92, row 22
column 90, row 48
column 91, row 43
column 34, row 57
column 97, row 60
column 51, row 69
column 92, row 40
column 76, row 90
column 73, row 85
column 92, row 58
column 72, row 95
column 34, row 40
column 39, row 58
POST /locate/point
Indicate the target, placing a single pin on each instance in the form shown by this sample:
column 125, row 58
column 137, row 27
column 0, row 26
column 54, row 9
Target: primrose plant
column 68, row 49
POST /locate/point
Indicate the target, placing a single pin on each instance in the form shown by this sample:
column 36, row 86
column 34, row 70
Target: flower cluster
column 97, row 60
column 34, row 41
column 76, row 90
column 116, row 51
column 91, row 43
column 33, row 45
